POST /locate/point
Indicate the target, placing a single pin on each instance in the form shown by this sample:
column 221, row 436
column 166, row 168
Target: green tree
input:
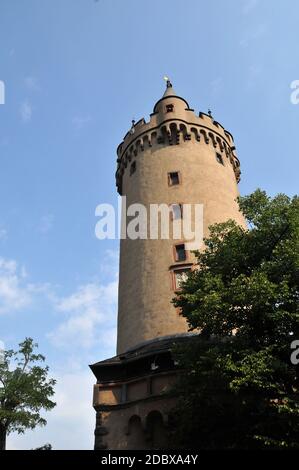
column 239, row 388
column 25, row 390
column 44, row 447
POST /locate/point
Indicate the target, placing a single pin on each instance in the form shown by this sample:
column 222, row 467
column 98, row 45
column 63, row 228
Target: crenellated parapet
column 173, row 123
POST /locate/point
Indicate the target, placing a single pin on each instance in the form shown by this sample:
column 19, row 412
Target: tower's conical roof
column 170, row 93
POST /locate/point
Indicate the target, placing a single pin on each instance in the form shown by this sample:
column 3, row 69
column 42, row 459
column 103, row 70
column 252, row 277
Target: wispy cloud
column 81, row 121
column 46, row 223
column 3, row 233
column 31, row 83
column 14, row 293
column 26, row 111
column 89, row 308
column 88, row 313
column 254, row 74
column 254, row 71
column 249, row 5
column 256, row 33
column 111, row 263
column 216, row 85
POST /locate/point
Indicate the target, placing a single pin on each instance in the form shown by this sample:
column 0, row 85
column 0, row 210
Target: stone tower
column 176, row 158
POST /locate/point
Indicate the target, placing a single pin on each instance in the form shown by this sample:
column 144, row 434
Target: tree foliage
column 239, row 388
column 25, row 390
column 44, row 447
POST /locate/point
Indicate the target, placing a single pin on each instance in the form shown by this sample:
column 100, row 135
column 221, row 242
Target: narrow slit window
column 173, row 178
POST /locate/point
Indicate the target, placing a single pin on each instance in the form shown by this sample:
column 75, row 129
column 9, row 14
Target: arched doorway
column 136, row 438
column 156, row 432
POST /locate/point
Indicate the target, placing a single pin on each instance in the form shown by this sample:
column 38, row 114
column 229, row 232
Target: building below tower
column 133, row 397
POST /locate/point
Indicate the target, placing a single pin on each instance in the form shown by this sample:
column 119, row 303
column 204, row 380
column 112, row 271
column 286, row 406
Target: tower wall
column 173, row 141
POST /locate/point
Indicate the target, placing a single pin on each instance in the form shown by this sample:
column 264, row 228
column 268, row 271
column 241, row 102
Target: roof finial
column 132, row 130
column 209, row 112
column 168, row 82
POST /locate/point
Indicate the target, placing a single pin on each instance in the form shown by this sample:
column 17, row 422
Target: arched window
column 132, row 168
column 219, row 158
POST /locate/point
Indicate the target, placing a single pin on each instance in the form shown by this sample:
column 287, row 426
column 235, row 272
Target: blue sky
column 76, row 73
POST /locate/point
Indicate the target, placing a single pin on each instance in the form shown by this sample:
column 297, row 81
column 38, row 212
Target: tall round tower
column 176, row 158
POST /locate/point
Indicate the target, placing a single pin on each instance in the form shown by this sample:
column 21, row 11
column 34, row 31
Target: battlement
column 173, row 123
